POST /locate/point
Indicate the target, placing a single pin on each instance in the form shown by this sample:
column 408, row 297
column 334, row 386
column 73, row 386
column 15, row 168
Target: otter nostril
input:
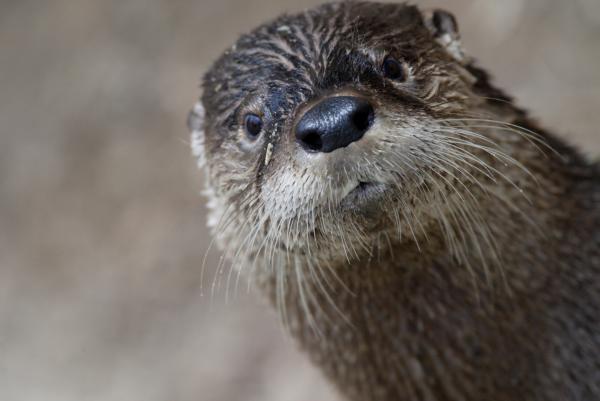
column 313, row 141
column 363, row 117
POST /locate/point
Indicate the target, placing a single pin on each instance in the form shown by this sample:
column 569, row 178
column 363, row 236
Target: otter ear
column 195, row 124
column 444, row 28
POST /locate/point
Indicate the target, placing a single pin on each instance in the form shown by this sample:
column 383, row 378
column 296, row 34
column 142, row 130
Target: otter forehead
column 294, row 58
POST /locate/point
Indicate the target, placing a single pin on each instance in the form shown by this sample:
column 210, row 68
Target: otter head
column 325, row 132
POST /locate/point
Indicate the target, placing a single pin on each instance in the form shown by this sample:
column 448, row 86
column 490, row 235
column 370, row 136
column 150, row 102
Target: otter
column 420, row 235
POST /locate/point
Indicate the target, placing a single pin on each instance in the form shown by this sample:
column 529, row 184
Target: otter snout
column 334, row 123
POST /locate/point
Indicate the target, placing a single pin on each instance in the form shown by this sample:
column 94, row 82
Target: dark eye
column 253, row 125
column 393, row 69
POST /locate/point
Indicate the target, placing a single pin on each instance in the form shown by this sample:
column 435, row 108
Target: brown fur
column 474, row 275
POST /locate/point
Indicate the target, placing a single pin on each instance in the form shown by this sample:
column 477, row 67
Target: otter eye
column 393, row 69
column 253, row 125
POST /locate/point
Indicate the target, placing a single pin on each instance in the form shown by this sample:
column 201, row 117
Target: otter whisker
column 499, row 156
column 467, row 214
column 526, row 133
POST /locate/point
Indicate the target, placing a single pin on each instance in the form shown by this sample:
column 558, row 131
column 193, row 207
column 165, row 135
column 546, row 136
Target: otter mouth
column 363, row 194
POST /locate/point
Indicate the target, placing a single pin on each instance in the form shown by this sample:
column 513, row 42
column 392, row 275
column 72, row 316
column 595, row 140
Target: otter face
column 322, row 131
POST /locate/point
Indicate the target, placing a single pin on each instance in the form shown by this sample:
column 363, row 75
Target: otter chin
column 363, row 195
column 420, row 235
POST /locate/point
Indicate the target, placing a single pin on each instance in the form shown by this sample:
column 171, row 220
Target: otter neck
column 426, row 321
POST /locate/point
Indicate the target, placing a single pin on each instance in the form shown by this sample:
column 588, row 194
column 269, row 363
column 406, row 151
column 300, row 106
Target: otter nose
column 334, row 123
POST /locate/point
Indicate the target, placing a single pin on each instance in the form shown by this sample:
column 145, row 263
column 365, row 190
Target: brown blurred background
column 102, row 230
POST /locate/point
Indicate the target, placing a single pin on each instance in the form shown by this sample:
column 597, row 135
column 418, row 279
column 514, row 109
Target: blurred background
column 102, row 228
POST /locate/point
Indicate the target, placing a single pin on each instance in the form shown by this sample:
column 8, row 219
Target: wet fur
column 475, row 275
